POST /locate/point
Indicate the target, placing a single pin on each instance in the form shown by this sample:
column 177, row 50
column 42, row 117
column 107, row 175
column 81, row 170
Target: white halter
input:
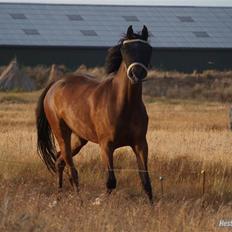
column 131, row 66
column 135, row 40
column 135, row 63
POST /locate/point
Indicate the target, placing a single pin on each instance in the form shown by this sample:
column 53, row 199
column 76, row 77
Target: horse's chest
column 126, row 131
column 123, row 127
column 123, row 135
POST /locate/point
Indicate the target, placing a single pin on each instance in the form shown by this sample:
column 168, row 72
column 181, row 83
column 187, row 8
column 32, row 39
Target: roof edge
column 110, row 5
column 107, row 47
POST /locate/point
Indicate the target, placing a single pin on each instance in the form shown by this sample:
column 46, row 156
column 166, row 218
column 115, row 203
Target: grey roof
column 102, row 25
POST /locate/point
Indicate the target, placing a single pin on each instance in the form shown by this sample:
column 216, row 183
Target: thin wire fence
column 160, row 178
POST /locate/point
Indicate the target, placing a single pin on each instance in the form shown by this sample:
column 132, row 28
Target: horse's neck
column 125, row 91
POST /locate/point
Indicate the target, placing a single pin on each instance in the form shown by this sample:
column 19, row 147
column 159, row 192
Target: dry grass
column 184, row 138
column 210, row 85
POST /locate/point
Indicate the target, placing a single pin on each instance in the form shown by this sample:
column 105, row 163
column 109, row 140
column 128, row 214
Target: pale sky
column 135, row 2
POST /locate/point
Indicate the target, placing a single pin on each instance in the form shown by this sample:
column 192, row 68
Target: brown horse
column 78, row 109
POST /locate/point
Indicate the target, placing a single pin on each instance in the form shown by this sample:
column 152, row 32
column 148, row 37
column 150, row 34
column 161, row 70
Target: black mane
column 114, row 57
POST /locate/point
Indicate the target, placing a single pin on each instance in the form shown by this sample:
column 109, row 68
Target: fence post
column 203, row 182
column 161, row 185
column 230, row 118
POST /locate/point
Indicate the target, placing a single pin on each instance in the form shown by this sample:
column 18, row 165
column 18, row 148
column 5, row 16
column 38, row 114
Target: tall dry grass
column 210, row 85
column 184, row 138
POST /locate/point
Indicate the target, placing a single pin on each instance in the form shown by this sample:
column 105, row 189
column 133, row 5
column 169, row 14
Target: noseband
column 134, row 63
column 131, row 66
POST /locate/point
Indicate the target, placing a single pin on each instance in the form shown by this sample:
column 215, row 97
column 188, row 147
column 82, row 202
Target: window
column 18, row 16
column 201, row 34
column 30, row 31
column 185, row 19
column 88, row 33
column 131, row 18
column 75, row 18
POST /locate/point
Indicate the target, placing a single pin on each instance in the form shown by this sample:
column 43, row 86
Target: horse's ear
column 129, row 32
column 145, row 33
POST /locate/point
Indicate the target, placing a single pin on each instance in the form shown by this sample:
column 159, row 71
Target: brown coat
column 78, row 109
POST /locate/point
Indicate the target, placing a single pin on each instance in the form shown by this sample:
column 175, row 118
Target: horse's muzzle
column 136, row 72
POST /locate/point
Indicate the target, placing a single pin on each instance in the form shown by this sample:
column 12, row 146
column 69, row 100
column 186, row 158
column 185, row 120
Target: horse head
column 136, row 54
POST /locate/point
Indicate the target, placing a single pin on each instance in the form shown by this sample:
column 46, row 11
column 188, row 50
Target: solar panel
column 30, row 31
column 131, row 18
column 185, row 19
column 18, row 16
column 88, row 32
column 75, row 17
column 201, row 34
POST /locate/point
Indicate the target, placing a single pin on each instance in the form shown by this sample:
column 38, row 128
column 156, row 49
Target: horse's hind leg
column 76, row 144
column 63, row 136
column 60, row 165
column 141, row 152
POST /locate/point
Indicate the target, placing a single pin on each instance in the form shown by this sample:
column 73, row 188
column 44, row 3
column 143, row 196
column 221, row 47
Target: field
column 185, row 137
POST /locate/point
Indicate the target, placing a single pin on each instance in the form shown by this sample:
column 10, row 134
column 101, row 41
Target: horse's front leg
column 141, row 152
column 60, row 165
column 107, row 158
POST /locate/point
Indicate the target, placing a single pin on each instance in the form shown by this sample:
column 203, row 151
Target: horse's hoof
column 80, row 201
column 76, row 188
column 109, row 191
column 60, row 190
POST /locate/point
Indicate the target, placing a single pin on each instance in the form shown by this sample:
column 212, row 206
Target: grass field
column 185, row 137
column 208, row 85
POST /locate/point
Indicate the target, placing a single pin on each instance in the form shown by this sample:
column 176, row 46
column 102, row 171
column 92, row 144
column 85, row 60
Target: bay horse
column 111, row 113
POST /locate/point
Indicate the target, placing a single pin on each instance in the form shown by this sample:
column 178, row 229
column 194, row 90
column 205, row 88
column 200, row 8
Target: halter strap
column 134, row 40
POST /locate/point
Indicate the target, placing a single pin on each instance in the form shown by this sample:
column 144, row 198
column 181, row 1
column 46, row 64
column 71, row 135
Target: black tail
column 45, row 140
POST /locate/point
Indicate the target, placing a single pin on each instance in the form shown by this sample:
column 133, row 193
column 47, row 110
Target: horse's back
column 78, row 81
column 72, row 86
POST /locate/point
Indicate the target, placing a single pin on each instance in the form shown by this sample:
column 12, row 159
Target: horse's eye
column 129, row 48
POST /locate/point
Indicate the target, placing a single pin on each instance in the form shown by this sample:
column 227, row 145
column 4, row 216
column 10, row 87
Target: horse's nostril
column 139, row 72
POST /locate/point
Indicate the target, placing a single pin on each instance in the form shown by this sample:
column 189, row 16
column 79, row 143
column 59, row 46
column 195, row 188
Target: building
column 183, row 38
